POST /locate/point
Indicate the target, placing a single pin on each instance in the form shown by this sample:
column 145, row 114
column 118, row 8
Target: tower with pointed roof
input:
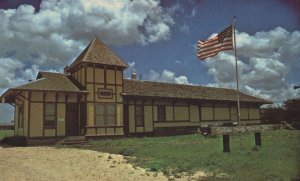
column 100, row 72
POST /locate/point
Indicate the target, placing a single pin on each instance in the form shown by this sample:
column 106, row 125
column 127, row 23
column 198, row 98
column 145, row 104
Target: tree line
column 289, row 112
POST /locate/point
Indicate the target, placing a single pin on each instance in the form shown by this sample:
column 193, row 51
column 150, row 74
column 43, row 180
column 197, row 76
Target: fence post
column 257, row 138
column 226, row 144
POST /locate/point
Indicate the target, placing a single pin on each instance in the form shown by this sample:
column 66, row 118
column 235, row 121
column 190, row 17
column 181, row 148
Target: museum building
column 93, row 99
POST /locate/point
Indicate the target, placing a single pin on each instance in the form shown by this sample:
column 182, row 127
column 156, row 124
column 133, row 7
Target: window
column 49, row 117
column 105, row 114
column 161, row 113
column 139, row 115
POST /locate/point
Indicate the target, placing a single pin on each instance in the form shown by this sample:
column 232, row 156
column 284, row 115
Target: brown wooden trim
column 98, row 83
column 29, row 110
column 173, row 110
column 116, row 126
column 175, row 121
column 56, row 114
column 134, row 117
column 75, row 92
column 152, row 114
column 189, row 111
column 44, row 98
column 216, row 121
column 79, row 114
column 200, row 113
column 116, row 97
column 105, row 76
column 105, row 89
column 214, row 112
column 229, row 108
column 94, row 80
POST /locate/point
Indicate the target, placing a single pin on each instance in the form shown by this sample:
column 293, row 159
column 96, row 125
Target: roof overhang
column 124, row 94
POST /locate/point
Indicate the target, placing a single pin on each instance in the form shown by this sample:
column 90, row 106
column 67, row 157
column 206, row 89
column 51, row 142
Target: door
column 72, row 122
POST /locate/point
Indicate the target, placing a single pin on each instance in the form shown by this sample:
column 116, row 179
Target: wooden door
column 72, row 122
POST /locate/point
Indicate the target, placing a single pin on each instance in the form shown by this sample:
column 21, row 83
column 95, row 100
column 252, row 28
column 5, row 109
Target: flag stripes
column 211, row 47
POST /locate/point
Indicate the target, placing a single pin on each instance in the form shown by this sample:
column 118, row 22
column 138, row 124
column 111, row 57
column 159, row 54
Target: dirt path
column 46, row 163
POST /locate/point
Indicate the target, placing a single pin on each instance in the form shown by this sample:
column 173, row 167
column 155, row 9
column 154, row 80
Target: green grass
column 277, row 159
column 6, row 133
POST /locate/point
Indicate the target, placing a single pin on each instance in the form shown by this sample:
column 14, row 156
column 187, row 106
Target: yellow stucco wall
column 36, row 96
column 119, row 91
column 222, row 113
column 61, row 119
column 207, row 113
column 110, row 76
column 233, row 111
column 90, row 114
column 254, row 113
column 120, row 114
column 148, row 118
column 194, row 113
column 36, row 120
column 119, row 77
column 49, row 132
column 169, row 113
column 90, row 74
column 99, row 75
column 181, row 113
column 90, row 95
column 244, row 113
column 50, row 97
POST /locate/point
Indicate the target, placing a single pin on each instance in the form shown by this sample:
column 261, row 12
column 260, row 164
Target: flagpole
column 237, row 75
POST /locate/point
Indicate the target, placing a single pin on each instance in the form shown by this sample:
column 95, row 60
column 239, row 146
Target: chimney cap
column 133, row 76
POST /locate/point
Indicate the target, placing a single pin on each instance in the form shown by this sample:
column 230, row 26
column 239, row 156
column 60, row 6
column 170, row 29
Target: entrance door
column 72, row 123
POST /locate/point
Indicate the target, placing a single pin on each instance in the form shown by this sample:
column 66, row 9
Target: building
column 92, row 99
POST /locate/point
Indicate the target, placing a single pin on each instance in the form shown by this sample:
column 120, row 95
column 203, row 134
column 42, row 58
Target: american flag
column 211, row 47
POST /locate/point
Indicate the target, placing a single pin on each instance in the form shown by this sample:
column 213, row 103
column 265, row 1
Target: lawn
column 277, row 159
column 6, row 133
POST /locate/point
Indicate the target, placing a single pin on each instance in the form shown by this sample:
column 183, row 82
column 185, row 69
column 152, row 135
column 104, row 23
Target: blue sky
column 157, row 39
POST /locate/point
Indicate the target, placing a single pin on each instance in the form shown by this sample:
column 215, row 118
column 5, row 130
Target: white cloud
column 265, row 61
column 52, row 37
column 167, row 76
column 184, row 28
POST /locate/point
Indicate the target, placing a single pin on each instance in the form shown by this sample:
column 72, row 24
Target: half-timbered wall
column 105, row 85
column 34, row 102
column 182, row 114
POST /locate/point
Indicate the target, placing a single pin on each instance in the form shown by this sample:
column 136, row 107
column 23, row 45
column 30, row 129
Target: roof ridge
column 53, row 72
column 33, row 81
column 89, row 49
column 170, row 83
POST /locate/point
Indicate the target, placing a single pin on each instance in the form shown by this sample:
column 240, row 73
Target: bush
column 127, row 151
column 15, row 141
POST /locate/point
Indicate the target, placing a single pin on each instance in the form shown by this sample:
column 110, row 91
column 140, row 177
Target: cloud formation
column 167, row 76
column 265, row 60
column 53, row 36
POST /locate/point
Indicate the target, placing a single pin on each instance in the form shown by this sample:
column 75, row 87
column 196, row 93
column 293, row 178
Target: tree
column 272, row 114
column 292, row 112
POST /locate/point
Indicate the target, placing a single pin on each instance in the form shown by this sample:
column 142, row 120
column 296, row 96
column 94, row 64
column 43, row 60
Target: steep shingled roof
column 98, row 52
column 168, row 90
column 50, row 81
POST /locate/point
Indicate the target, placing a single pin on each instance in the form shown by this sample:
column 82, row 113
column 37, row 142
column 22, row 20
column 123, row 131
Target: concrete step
column 73, row 140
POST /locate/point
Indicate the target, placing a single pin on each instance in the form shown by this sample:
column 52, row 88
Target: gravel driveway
column 47, row 163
